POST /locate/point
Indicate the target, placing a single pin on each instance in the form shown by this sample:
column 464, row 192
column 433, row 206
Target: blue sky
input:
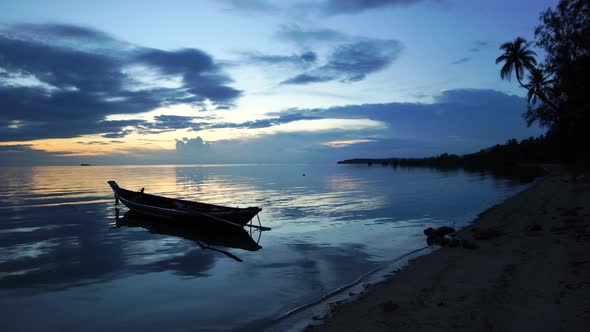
column 256, row 81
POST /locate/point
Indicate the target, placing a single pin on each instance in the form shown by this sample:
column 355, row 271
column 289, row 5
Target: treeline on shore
column 513, row 159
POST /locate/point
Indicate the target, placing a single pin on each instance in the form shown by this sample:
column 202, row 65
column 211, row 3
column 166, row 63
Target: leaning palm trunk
column 541, row 95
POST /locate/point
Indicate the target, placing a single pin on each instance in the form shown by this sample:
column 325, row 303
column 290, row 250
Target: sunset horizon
column 294, row 165
column 255, row 82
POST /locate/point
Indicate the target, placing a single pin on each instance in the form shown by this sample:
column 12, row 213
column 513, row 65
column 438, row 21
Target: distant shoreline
column 530, row 274
column 512, row 159
column 525, row 173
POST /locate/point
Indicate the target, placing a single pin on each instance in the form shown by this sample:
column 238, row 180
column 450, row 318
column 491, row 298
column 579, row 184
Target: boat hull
column 182, row 211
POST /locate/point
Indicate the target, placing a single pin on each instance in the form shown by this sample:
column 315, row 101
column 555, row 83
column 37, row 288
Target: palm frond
column 506, row 71
column 517, row 57
column 501, row 58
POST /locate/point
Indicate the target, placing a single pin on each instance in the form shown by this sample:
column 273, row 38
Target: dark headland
column 514, row 159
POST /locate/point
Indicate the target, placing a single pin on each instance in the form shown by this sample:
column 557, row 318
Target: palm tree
column 537, row 85
column 516, row 57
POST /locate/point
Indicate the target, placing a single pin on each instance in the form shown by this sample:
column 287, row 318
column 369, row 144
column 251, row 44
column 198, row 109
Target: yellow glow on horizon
column 300, row 126
column 139, row 143
column 344, row 143
column 92, row 145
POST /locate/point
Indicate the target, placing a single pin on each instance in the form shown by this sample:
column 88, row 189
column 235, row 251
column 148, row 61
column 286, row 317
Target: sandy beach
column 530, row 272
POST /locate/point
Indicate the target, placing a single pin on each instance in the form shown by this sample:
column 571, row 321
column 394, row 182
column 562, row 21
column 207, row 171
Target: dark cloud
column 25, row 154
column 480, row 118
column 335, row 7
column 478, row 45
column 250, row 6
column 483, row 98
column 15, row 147
column 164, row 123
column 67, row 128
column 265, row 123
column 308, row 78
column 119, row 134
column 318, row 7
column 67, row 87
column 100, row 142
column 352, row 62
column 298, row 35
column 174, row 121
column 61, row 31
column 351, row 59
column 460, row 61
column 94, row 143
column 191, row 147
column 177, row 62
column 304, row 59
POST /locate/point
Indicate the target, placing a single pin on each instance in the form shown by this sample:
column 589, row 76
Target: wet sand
column 530, row 272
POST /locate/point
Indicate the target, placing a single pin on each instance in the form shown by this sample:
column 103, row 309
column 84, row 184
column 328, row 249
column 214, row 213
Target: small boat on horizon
column 183, row 211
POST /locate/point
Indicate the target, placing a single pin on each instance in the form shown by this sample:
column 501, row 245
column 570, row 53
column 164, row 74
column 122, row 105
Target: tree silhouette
column 538, row 85
column 516, row 57
column 558, row 87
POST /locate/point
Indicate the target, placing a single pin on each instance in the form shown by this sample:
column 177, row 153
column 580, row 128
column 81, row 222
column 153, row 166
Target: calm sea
column 67, row 263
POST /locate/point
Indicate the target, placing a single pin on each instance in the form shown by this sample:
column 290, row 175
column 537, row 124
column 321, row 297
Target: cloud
column 15, row 147
column 350, row 59
column 62, row 81
column 462, row 60
column 167, row 123
column 478, row 45
column 480, row 118
column 345, row 143
column 352, row 62
column 482, row 99
column 250, row 6
column 298, row 35
column 264, row 123
column 458, row 121
column 100, row 142
column 60, row 31
column 308, row 78
column 191, row 147
column 119, row 134
column 304, row 59
column 317, row 7
column 173, row 122
column 94, row 143
column 201, row 77
column 25, row 154
column 336, row 7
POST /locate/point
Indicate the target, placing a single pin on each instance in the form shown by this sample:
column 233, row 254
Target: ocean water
column 67, row 262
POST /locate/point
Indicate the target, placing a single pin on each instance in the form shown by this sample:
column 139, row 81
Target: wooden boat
column 183, row 211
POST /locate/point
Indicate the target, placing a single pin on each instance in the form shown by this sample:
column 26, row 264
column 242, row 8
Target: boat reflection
column 205, row 237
